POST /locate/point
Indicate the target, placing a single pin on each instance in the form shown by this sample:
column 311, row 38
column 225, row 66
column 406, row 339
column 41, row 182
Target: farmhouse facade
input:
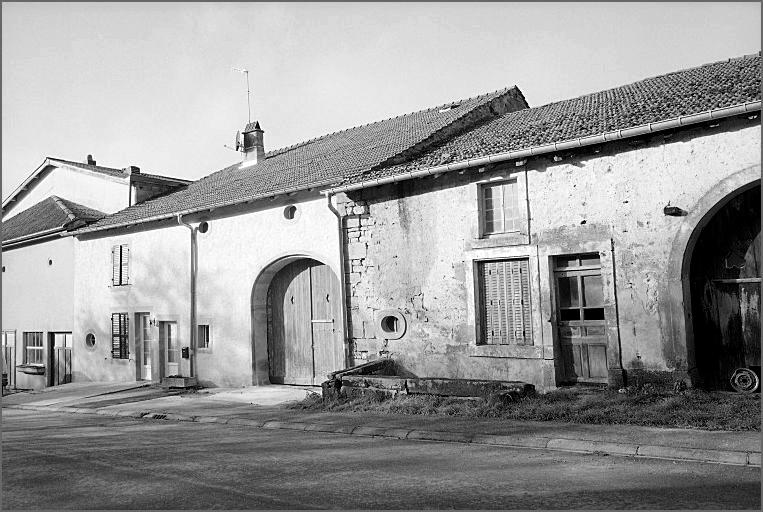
column 605, row 238
column 39, row 254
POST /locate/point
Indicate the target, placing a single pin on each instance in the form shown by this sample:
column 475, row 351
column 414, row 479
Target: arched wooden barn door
column 725, row 282
column 304, row 324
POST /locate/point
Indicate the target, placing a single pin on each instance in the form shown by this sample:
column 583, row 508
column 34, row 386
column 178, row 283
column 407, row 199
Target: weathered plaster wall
column 232, row 254
column 105, row 193
column 412, row 247
column 37, row 296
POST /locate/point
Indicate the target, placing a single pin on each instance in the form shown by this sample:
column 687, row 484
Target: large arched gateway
column 724, row 282
column 304, row 323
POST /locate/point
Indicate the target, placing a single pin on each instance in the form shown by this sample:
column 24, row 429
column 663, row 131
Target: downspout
column 194, row 258
column 342, row 285
column 623, row 375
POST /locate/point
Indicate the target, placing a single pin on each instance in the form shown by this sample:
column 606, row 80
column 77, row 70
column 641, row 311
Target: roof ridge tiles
column 284, row 149
column 63, row 207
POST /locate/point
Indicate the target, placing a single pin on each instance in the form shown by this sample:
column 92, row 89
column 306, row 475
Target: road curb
column 737, row 458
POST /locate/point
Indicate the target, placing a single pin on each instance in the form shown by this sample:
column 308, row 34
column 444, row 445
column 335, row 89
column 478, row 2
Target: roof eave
column 188, row 211
column 48, row 233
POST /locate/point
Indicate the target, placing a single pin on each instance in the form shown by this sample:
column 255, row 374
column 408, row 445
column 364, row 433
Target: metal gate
column 61, row 358
column 9, row 358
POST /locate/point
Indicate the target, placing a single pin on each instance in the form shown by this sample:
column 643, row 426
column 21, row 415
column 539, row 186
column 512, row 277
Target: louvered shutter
column 527, row 330
column 505, row 302
column 115, row 265
column 491, row 303
column 125, row 268
column 119, row 336
column 115, row 342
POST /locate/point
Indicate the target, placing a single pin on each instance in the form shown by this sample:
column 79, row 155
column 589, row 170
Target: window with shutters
column 499, row 208
column 120, row 265
column 505, row 315
column 119, row 336
column 202, row 337
column 33, row 348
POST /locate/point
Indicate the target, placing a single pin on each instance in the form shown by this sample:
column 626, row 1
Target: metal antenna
column 248, row 102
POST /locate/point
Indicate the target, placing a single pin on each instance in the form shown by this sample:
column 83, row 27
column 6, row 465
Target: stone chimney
column 253, row 144
column 131, row 169
column 90, row 160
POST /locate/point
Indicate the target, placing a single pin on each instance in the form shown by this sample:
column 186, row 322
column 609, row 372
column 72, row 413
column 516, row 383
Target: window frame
column 208, row 347
column 36, row 348
column 482, row 208
column 120, row 272
column 120, row 350
column 578, row 272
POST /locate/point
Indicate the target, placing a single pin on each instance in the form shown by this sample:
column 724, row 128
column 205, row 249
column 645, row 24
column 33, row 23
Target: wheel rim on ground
column 745, row 380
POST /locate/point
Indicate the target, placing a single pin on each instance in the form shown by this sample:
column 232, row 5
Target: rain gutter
column 188, row 211
column 580, row 142
column 33, row 236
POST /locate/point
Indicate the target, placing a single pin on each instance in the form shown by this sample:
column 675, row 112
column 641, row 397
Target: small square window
column 33, row 348
column 202, row 337
column 499, row 208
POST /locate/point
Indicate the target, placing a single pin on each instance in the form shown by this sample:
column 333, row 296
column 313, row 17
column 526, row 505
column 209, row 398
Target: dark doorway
column 725, row 291
column 60, row 358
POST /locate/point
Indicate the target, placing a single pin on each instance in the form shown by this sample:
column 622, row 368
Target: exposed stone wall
column 412, row 247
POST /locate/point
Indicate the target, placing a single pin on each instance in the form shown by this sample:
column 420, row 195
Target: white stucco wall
column 102, row 192
column 232, row 254
column 37, row 296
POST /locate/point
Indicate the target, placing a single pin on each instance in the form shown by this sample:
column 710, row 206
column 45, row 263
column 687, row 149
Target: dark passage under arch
column 725, row 291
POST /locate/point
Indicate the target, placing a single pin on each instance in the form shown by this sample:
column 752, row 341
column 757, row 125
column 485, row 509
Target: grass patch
column 691, row 408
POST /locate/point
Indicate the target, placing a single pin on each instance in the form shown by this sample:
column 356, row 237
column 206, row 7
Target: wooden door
column 580, row 318
column 145, row 342
column 304, row 338
column 328, row 348
column 169, row 340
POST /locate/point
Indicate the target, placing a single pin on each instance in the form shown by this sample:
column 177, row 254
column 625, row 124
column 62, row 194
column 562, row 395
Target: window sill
column 506, row 351
column 31, row 368
column 499, row 240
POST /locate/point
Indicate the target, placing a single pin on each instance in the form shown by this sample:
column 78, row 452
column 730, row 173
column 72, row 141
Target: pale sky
column 151, row 84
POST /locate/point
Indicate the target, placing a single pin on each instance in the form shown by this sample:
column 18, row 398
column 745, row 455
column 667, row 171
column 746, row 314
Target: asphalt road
column 74, row 461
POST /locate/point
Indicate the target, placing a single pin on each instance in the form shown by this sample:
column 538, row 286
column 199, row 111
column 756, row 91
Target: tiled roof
column 53, row 212
column 711, row 86
column 162, row 178
column 108, row 171
column 111, row 171
column 316, row 162
column 94, row 168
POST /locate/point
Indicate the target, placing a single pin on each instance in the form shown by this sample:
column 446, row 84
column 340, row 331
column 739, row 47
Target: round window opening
column 90, row 340
column 50, row 262
column 390, row 324
column 290, row 212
